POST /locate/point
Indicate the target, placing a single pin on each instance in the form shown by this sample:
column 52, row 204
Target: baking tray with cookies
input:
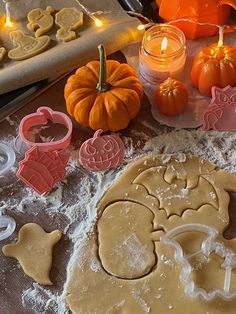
column 117, row 174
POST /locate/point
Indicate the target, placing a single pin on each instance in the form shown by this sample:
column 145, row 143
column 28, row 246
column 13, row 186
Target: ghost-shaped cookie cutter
column 208, row 246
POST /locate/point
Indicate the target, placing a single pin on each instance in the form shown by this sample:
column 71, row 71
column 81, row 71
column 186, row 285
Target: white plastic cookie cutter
column 7, row 158
column 9, row 225
column 208, row 246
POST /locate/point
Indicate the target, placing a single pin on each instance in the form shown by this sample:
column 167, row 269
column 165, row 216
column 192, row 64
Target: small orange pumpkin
column 214, row 66
column 171, row 97
column 103, row 95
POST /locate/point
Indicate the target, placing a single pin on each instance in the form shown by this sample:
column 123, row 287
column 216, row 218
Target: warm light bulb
column 141, row 27
column 164, row 45
column 8, row 22
column 98, row 22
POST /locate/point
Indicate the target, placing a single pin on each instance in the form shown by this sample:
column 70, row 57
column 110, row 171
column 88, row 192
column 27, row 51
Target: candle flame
column 220, row 43
column 164, row 44
column 8, row 22
column 221, row 36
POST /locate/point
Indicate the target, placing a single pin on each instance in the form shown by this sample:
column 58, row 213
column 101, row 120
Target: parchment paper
column 119, row 29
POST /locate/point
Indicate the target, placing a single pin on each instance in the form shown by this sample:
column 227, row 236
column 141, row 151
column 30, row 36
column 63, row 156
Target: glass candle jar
column 162, row 53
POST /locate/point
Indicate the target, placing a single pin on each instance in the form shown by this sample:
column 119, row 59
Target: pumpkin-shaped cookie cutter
column 41, row 117
column 209, row 245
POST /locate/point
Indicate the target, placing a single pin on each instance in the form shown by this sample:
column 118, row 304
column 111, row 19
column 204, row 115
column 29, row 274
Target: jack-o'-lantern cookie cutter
column 102, row 152
column 208, row 246
column 41, row 117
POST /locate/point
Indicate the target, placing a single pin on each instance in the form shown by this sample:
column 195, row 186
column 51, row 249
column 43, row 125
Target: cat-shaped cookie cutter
column 208, row 246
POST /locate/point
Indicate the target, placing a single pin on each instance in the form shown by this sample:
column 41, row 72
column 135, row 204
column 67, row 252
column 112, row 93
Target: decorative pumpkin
column 214, row 66
column 103, row 95
column 208, row 11
column 102, row 152
column 171, row 97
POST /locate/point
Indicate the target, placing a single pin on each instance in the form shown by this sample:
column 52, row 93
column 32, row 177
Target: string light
column 97, row 21
column 222, row 28
column 8, row 23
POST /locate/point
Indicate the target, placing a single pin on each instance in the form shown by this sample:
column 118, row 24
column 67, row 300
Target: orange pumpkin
column 171, row 97
column 214, row 66
column 203, row 11
column 103, row 95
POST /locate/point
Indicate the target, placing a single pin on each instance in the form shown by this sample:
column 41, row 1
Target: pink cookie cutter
column 102, row 152
column 41, row 117
column 221, row 113
column 42, row 170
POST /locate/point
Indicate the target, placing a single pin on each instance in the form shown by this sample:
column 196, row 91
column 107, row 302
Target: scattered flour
column 78, row 205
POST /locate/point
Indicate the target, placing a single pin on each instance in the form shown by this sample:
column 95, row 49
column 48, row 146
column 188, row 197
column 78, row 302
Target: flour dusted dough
column 123, row 267
column 33, row 250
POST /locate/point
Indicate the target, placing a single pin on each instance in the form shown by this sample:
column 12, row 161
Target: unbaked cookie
column 2, row 53
column 40, row 21
column 124, row 268
column 33, row 250
column 68, row 19
column 27, row 46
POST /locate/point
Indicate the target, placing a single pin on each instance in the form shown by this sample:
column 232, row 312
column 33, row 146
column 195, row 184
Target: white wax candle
column 157, row 64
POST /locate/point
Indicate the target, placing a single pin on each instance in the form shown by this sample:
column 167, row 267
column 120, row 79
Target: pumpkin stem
column 102, row 85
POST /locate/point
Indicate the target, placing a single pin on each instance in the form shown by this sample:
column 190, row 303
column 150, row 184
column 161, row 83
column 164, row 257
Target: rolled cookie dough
column 123, row 267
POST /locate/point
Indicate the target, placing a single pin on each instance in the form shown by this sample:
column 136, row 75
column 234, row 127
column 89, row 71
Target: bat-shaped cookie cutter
column 208, row 246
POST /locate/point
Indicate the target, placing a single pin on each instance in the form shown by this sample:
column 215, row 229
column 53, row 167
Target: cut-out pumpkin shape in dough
column 128, row 229
column 27, row 46
column 137, row 273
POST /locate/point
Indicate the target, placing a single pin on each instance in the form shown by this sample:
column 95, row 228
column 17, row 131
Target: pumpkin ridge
column 133, row 83
column 126, row 105
column 119, row 103
column 73, row 99
column 93, row 69
column 83, row 108
column 123, row 68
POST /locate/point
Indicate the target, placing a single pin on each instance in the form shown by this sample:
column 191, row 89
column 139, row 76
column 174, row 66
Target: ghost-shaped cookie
column 40, row 21
column 33, row 250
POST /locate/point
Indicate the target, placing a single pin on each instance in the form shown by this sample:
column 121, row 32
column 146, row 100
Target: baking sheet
column 119, row 29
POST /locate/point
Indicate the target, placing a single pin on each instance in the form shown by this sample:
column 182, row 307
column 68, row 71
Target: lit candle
column 162, row 54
